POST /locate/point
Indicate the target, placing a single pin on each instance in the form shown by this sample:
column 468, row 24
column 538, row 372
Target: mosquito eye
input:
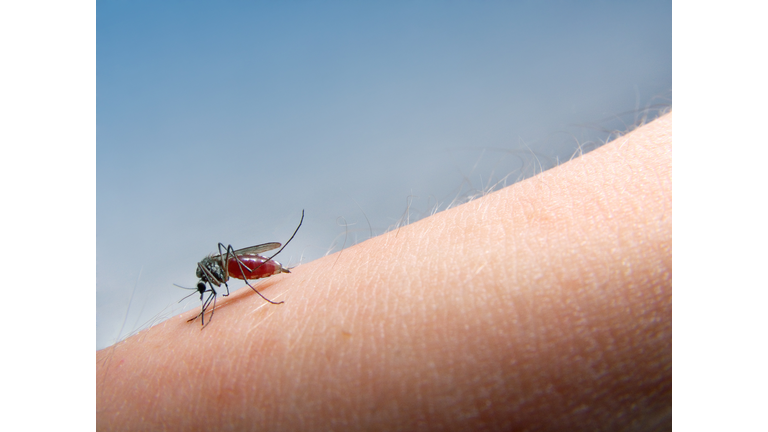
column 201, row 286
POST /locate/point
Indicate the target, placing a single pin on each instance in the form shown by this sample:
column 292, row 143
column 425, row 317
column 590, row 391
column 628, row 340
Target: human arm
column 545, row 305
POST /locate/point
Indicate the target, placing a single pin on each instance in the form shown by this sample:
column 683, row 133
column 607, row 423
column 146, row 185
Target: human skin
column 546, row 305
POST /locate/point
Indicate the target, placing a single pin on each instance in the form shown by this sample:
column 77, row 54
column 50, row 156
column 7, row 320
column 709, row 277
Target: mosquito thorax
column 214, row 268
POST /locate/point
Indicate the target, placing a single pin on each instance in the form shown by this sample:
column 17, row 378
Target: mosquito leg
column 208, row 303
column 223, row 261
column 213, row 309
column 262, row 295
column 213, row 280
column 205, row 304
column 225, row 264
column 231, row 251
column 241, row 265
column 240, row 262
column 289, row 240
column 202, row 307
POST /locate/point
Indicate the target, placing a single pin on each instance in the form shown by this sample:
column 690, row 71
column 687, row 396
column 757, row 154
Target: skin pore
column 546, row 305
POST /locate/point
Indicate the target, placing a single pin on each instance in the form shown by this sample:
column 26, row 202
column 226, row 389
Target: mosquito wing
column 254, row 250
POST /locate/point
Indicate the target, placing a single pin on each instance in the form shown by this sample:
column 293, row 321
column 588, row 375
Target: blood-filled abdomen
column 253, row 267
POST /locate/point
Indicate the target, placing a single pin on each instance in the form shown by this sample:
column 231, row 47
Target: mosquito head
column 201, row 286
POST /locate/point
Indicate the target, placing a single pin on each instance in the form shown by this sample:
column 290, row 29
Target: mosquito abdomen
column 253, row 267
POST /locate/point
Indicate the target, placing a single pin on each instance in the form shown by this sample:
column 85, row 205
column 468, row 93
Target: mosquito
column 245, row 264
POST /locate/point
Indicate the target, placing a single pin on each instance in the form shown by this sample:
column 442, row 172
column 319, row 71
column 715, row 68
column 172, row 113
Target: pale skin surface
column 545, row 306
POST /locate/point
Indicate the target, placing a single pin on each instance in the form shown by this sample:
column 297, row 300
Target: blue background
column 221, row 121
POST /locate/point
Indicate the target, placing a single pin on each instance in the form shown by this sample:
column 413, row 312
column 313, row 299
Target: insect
column 245, row 264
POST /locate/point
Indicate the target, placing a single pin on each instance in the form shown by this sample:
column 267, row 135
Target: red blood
column 251, row 267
